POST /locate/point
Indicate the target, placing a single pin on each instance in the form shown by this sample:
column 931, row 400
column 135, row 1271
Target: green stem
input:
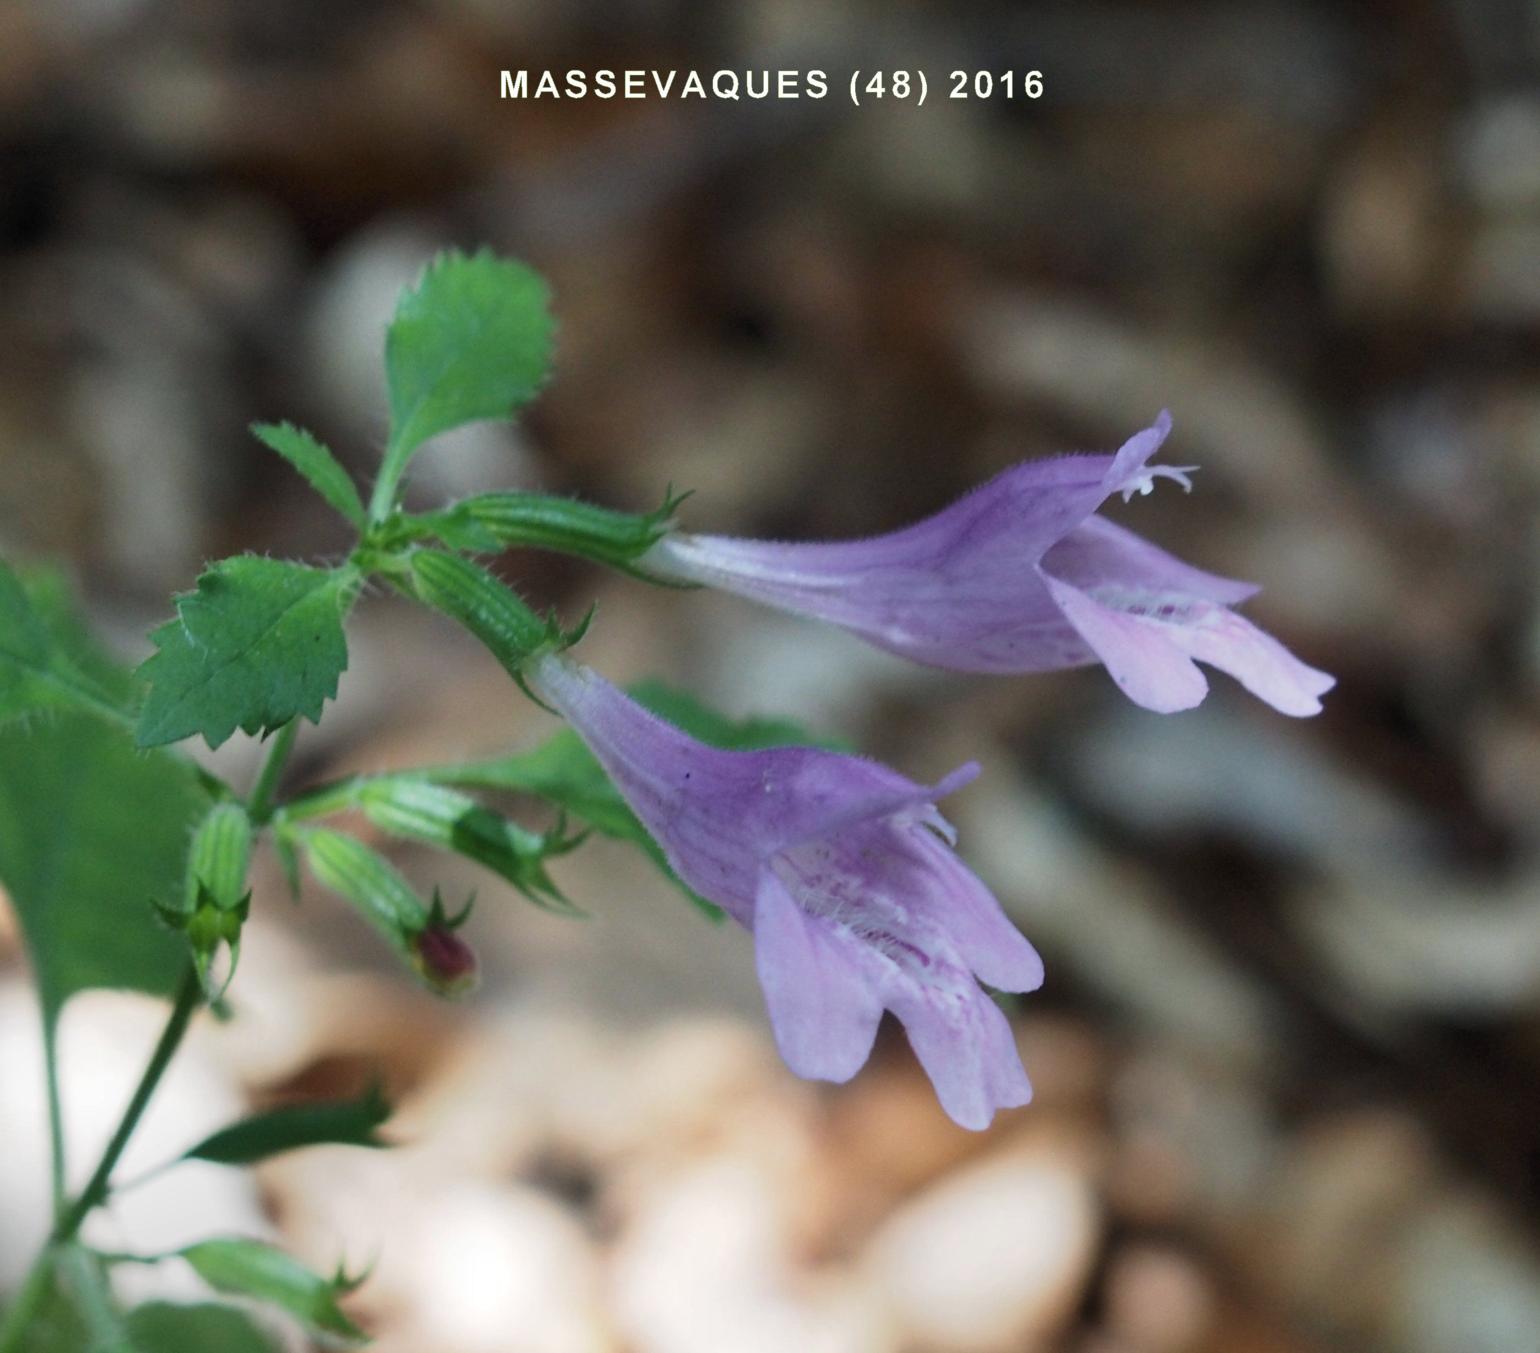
column 383, row 499
column 34, row 1288
column 189, row 996
column 261, row 805
column 57, row 1163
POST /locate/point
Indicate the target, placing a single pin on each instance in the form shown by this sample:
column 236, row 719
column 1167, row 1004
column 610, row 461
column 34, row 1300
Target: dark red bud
column 445, row 961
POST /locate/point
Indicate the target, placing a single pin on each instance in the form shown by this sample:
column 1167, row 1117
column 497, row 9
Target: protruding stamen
column 1143, row 482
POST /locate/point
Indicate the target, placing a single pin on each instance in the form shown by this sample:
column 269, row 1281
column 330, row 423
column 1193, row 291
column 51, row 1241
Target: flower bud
column 444, row 961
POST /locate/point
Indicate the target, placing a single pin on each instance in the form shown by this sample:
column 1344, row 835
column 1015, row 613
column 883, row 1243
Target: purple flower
column 843, row 870
column 1022, row 576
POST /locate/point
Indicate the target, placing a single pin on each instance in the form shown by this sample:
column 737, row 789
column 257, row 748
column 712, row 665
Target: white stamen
column 1143, row 481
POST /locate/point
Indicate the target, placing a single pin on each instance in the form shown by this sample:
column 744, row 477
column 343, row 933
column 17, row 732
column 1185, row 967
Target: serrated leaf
column 205, row 1327
column 471, row 341
column 250, row 1268
column 320, row 467
column 350, row 1122
column 90, row 831
column 565, row 773
column 37, row 668
column 258, row 643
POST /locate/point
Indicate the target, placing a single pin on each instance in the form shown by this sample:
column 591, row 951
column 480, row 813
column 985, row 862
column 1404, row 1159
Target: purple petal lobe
column 1257, row 660
column 985, row 939
column 911, row 802
column 823, row 1012
column 1099, row 552
column 965, row 1044
column 1147, row 637
column 1149, row 668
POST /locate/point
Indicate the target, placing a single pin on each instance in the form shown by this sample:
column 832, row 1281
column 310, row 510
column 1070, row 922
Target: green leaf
column 78, row 1315
column 38, row 670
column 498, row 521
column 207, row 1327
column 488, row 608
column 90, row 831
column 315, row 461
column 350, row 1122
column 54, row 600
column 83, row 1278
column 700, row 721
column 564, row 772
column 249, row 1268
column 258, row 643
column 471, row 341
column 59, row 1325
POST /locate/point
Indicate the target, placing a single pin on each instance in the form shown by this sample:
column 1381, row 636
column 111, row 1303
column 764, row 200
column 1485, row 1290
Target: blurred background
column 1286, row 1056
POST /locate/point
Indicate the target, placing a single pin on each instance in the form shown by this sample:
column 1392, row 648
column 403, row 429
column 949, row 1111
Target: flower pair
column 842, row 868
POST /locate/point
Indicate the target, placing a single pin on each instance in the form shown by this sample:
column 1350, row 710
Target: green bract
column 259, row 643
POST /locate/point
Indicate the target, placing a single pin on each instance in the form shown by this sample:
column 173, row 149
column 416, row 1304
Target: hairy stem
column 261, row 805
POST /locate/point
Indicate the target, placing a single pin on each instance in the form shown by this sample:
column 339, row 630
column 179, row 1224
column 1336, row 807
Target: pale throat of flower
column 1171, row 608
column 826, row 882
column 1142, row 481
